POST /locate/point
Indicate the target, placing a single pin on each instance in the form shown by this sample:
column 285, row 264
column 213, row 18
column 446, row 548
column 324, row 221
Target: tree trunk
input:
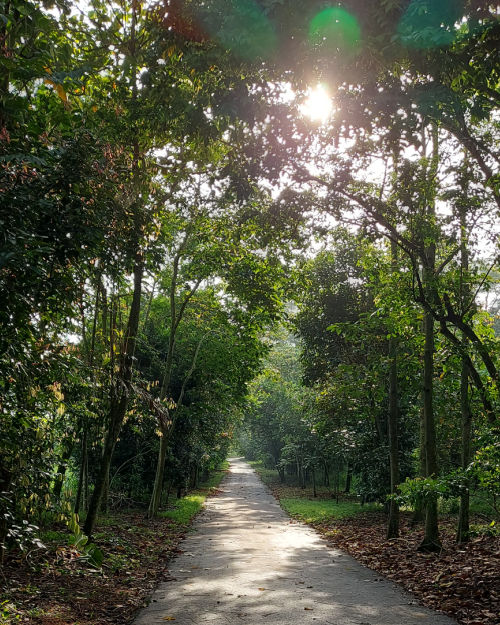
column 104, row 507
column 281, row 473
column 176, row 315
column 154, row 504
column 194, row 476
column 315, row 494
column 5, row 485
column 119, row 398
column 117, row 414
column 81, row 478
column 169, row 489
column 419, row 512
column 392, row 426
column 393, row 520
column 348, row 479
column 463, row 528
column 431, row 540
column 61, row 470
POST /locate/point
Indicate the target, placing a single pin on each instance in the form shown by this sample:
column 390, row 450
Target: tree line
column 159, row 188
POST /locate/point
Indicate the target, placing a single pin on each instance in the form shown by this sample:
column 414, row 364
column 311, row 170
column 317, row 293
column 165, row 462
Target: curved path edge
column 247, row 562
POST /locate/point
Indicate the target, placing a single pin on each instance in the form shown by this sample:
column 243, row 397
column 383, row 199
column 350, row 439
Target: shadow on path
column 248, row 563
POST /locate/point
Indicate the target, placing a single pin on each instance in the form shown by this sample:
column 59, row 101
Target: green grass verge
column 268, row 476
column 184, row 510
column 300, row 504
column 316, row 511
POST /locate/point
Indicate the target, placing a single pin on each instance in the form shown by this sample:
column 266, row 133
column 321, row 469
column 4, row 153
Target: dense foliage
column 163, row 195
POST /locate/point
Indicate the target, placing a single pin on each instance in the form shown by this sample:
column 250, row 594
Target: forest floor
column 462, row 581
column 56, row 586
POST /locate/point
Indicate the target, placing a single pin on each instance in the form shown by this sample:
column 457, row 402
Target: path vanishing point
column 247, row 562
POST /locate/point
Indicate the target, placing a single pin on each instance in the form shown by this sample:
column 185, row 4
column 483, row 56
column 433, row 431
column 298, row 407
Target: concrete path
column 248, row 563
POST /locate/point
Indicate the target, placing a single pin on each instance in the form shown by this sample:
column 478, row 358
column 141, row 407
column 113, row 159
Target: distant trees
column 362, row 414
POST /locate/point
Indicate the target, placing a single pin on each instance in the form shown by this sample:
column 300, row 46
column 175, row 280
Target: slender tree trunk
column 120, row 389
column 431, row 540
column 393, row 521
column 104, row 507
column 61, row 470
column 315, row 494
column 419, row 512
column 348, row 479
column 86, row 482
column 169, row 489
column 463, row 528
column 194, row 483
column 5, row 486
column 119, row 399
column 154, row 503
column 392, row 426
column 81, row 478
column 176, row 315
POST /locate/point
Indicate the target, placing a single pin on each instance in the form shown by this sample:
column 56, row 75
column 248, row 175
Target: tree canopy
column 167, row 204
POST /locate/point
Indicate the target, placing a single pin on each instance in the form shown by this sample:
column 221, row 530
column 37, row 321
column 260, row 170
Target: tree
column 214, row 356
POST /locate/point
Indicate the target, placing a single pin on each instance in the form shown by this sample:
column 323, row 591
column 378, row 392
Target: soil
column 56, row 586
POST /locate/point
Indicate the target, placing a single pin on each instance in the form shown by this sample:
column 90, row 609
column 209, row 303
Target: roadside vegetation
column 63, row 585
column 265, row 220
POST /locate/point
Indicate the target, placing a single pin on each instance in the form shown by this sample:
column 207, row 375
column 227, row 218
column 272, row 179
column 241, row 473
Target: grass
column 318, row 510
column 184, row 510
column 268, row 476
column 300, row 504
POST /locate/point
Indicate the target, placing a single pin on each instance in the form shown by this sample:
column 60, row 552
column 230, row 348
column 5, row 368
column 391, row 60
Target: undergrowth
column 182, row 511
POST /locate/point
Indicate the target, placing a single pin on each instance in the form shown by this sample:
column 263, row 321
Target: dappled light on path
column 247, row 562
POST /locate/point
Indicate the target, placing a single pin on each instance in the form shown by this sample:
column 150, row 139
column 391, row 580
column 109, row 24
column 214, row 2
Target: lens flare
column 336, row 30
column 240, row 26
column 430, row 24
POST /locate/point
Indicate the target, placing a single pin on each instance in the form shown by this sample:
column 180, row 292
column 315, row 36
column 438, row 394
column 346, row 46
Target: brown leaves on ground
column 462, row 581
column 54, row 587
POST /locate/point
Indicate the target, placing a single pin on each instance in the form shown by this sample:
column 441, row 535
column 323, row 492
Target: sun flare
column 318, row 106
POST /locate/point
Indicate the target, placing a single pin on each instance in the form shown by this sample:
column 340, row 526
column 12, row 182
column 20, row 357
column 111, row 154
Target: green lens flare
column 430, row 23
column 336, row 30
column 242, row 27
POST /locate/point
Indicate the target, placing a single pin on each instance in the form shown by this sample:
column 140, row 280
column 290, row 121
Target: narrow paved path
column 247, row 563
